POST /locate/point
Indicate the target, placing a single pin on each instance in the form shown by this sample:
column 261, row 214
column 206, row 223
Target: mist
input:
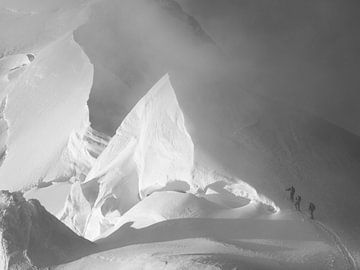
column 304, row 54
column 300, row 54
column 261, row 96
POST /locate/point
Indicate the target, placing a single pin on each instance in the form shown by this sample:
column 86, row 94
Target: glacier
column 83, row 147
column 155, row 132
column 181, row 183
column 151, row 151
column 44, row 104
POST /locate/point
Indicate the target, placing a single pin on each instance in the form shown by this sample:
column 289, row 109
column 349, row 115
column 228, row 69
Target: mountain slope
column 31, row 237
column 244, row 144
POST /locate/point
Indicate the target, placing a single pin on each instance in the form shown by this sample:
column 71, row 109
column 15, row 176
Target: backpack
column 312, row 206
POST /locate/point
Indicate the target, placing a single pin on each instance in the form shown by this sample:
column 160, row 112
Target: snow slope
column 32, row 238
column 174, row 230
column 236, row 134
column 237, row 126
column 53, row 196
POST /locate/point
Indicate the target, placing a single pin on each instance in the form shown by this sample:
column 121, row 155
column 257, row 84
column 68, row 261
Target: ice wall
column 45, row 103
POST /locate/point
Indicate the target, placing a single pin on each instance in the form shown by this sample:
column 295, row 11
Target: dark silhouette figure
column 292, row 192
column 312, row 209
column 297, row 202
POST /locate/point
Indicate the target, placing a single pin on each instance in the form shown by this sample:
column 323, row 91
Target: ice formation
column 79, row 155
column 152, row 183
column 32, row 238
column 151, row 151
column 45, row 102
column 154, row 134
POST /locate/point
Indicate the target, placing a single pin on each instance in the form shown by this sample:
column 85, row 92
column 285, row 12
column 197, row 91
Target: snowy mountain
column 194, row 172
column 150, row 152
column 31, row 237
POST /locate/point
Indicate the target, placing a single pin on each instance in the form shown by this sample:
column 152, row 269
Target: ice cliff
column 154, row 136
column 44, row 104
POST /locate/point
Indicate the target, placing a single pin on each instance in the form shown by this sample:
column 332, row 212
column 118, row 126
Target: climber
column 297, row 202
column 292, row 192
column 312, row 209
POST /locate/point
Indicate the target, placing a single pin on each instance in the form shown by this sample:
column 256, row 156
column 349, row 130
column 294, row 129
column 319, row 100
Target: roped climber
column 297, row 202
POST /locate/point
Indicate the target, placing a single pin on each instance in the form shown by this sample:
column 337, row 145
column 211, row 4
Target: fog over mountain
column 167, row 132
column 301, row 53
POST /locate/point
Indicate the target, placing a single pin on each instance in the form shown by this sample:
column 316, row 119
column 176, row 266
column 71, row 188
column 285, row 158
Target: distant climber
column 30, row 56
column 292, row 192
column 297, row 202
column 312, row 209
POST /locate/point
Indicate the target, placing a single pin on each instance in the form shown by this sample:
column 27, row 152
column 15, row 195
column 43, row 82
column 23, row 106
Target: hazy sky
column 303, row 52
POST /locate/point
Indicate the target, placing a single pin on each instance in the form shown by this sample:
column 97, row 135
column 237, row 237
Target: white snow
column 174, row 230
column 150, row 152
column 155, row 131
column 160, row 198
column 52, row 197
column 78, row 157
column 76, row 209
column 44, row 105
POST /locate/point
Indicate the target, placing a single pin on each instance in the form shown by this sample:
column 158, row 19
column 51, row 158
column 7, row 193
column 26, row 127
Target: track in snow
column 351, row 263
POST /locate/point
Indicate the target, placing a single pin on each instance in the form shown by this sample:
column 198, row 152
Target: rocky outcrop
column 32, row 238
